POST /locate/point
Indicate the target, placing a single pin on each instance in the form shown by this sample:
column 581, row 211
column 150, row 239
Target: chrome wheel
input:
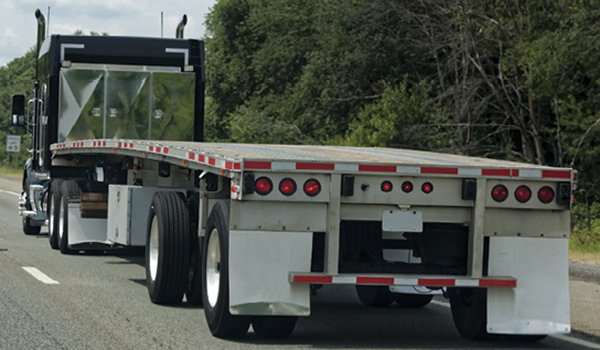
column 153, row 248
column 213, row 268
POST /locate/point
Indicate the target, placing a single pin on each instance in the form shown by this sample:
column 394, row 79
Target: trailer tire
column 167, row 248
column 378, row 296
column 412, row 300
column 274, row 327
column 69, row 190
column 29, row 229
column 53, row 213
column 215, row 277
column 193, row 294
column 469, row 311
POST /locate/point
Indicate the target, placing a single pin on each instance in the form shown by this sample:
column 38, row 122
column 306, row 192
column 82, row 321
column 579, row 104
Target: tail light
column 287, row 187
column 407, row 187
column 427, row 187
column 387, row 186
column 312, row 187
column 499, row 193
column 523, row 194
column 263, row 186
column 546, row 194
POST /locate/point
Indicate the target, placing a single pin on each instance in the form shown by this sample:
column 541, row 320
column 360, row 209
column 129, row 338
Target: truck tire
column 69, row 190
column 215, row 277
column 378, row 296
column 412, row 300
column 29, row 229
column 274, row 327
column 53, row 212
column 469, row 311
column 193, row 294
column 167, row 248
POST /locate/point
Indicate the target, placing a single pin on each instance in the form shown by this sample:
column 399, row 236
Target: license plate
column 402, row 221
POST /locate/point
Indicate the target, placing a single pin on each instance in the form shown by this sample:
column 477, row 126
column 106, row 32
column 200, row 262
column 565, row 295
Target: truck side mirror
column 18, row 110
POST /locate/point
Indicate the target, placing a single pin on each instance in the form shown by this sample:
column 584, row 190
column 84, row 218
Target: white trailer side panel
column 540, row 303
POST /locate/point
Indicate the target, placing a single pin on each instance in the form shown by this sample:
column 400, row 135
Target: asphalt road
column 101, row 302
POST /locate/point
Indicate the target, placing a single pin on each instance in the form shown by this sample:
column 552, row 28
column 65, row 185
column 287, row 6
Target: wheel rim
column 153, row 248
column 213, row 267
column 51, row 222
column 61, row 217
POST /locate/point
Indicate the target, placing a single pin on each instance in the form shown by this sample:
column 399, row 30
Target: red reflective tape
column 495, row 172
column 191, row 156
column 119, row 145
column 498, row 283
column 313, row 279
column 201, row 158
column 158, row 149
column 557, row 174
column 151, row 148
column 257, row 165
column 575, row 177
column 377, row 168
column 375, row 280
column 212, row 161
column 436, row 282
column 228, row 165
column 237, row 166
column 315, row 166
column 515, row 173
column 433, row 170
column 131, row 145
column 165, row 150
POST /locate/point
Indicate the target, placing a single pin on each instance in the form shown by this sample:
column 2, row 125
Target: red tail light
column 427, row 187
column 387, row 186
column 312, row 187
column 546, row 194
column 263, row 186
column 407, row 186
column 499, row 193
column 287, row 187
column 522, row 194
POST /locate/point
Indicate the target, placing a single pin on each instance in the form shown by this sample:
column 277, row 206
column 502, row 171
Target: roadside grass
column 17, row 173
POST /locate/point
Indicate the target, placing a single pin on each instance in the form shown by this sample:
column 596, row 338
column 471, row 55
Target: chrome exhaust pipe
column 41, row 35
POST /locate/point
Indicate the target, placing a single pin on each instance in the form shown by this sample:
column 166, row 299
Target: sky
column 18, row 26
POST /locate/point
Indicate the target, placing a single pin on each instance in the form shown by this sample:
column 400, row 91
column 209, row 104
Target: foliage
column 507, row 79
column 16, row 78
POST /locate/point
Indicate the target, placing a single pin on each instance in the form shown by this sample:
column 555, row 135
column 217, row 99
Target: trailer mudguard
column 540, row 303
column 259, row 267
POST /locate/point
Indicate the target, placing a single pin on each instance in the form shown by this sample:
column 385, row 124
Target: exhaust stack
column 180, row 26
column 41, row 35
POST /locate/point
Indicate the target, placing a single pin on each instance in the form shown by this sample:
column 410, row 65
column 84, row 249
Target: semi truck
column 251, row 231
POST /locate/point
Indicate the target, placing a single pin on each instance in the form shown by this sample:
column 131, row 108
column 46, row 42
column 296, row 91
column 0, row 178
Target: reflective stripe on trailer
column 191, row 155
column 443, row 281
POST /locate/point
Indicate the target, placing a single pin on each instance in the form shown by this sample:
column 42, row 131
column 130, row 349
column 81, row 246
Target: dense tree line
column 508, row 79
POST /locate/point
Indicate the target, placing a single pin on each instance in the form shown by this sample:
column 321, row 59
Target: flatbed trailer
column 252, row 231
column 376, row 210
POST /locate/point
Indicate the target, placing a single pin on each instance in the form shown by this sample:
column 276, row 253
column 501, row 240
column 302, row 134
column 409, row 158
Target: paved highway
column 53, row 301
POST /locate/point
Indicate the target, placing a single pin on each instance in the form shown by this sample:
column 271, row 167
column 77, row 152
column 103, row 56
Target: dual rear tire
column 172, row 270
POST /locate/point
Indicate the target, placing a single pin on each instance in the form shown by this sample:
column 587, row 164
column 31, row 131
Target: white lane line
column 11, row 193
column 561, row 337
column 39, row 275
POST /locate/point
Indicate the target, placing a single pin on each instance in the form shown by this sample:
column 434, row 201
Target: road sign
column 13, row 143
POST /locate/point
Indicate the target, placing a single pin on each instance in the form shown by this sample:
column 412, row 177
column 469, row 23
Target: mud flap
column 540, row 303
column 259, row 267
